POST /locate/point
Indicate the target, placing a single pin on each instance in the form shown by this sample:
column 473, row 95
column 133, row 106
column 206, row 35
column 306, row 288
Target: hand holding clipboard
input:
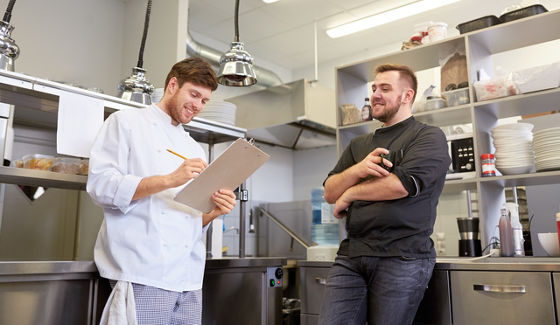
column 227, row 171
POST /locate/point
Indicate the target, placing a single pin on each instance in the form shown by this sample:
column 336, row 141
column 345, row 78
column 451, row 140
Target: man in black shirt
column 385, row 263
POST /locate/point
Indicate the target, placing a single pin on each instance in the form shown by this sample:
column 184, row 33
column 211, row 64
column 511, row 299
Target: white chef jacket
column 155, row 240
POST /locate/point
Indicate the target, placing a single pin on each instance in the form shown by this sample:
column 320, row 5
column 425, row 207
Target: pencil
column 176, row 154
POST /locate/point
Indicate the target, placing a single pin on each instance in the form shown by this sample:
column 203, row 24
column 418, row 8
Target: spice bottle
column 366, row 111
column 488, row 163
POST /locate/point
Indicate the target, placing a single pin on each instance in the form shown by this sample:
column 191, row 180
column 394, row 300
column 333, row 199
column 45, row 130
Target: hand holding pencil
column 188, row 170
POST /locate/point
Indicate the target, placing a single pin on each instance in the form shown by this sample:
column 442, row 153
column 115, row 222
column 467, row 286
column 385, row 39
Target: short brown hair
column 405, row 73
column 194, row 70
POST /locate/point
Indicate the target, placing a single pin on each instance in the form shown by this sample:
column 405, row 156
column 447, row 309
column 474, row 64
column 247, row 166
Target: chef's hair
column 193, row 70
column 405, row 73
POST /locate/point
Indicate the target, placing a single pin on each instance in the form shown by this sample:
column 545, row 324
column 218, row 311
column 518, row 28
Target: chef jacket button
column 162, row 212
column 159, row 150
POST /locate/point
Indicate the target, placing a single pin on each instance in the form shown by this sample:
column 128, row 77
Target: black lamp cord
column 236, row 39
column 144, row 35
column 8, row 14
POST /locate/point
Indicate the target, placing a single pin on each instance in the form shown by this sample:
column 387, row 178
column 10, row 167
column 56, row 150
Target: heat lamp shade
column 236, row 67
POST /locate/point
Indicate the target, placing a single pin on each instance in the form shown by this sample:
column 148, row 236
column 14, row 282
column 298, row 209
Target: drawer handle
column 499, row 288
column 322, row 281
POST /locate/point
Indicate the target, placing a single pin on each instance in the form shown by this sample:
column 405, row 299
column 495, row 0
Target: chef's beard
column 390, row 111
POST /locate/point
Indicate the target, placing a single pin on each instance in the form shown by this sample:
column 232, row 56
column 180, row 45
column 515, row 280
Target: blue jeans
column 379, row 290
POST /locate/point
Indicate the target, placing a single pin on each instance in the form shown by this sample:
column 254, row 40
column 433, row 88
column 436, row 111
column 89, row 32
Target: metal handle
column 499, row 288
column 320, row 280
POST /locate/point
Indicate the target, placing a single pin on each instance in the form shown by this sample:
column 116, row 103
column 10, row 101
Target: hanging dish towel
column 120, row 308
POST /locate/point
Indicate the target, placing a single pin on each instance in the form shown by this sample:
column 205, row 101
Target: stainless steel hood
column 296, row 115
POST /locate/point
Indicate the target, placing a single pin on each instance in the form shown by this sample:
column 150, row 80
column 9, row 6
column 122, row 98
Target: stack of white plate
column 547, row 154
column 514, row 148
column 219, row 111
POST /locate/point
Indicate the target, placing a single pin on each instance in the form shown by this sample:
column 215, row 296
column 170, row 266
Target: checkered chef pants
column 156, row 306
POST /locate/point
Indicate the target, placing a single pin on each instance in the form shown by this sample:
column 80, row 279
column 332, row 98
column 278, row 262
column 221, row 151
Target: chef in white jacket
column 148, row 241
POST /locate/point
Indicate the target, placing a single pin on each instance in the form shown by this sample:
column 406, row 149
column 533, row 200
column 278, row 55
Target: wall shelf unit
column 479, row 47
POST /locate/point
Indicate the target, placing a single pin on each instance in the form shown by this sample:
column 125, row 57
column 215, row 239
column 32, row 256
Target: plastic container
column 488, row 163
column 537, row 78
column 37, row 161
column 84, row 167
column 433, row 103
column 456, row 97
column 437, row 31
column 324, row 226
column 496, row 87
column 66, row 165
column 478, row 23
column 522, row 13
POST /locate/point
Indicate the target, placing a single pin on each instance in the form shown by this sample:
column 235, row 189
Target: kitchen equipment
column 137, row 88
column 478, row 23
column 516, row 228
column 437, row 31
column 9, row 51
column 462, row 155
column 522, row 13
column 469, row 242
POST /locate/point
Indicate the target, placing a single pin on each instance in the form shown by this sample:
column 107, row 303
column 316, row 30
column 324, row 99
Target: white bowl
column 516, row 170
column 549, row 241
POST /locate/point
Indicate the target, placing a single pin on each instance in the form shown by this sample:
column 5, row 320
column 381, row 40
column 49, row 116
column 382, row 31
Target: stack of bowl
column 514, row 148
column 546, row 143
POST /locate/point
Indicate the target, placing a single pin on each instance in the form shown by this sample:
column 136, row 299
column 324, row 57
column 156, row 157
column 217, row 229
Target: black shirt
column 400, row 227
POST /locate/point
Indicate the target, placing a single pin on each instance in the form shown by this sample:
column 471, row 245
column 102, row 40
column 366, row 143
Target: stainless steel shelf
column 33, row 177
column 446, row 116
column 518, row 33
column 419, row 58
column 457, row 185
column 539, row 178
column 530, row 103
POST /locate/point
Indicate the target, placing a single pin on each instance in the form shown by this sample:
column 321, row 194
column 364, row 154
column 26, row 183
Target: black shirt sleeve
column 424, row 162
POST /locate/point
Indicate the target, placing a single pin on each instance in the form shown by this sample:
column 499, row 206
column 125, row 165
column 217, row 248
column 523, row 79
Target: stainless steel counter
column 46, row 267
column 527, row 263
column 245, row 262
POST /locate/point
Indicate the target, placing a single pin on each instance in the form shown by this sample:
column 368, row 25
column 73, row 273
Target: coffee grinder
column 469, row 242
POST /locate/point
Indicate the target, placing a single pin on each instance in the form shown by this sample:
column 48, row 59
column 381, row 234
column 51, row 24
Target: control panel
column 274, row 276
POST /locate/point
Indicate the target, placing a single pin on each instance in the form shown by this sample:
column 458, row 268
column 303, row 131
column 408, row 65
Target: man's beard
column 389, row 112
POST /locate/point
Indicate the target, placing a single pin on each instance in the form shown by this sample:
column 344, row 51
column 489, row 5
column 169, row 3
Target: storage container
column 84, row 167
column 495, row 88
column 433, row 103
column 37, row 161
column 522, row 13
column 537, row 78
column 478, row 23
column 66, row 165
column 456, row 97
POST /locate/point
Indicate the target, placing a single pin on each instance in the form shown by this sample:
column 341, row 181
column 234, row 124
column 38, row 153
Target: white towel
column 120, row 308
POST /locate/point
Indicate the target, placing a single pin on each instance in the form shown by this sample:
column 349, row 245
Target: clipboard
column 228, row 171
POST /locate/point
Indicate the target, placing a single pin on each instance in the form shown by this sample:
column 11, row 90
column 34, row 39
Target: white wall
column 75, row 41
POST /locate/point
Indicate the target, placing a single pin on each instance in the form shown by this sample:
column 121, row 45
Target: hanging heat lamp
column 236, row 66
column 137, row 88
column 9, row 51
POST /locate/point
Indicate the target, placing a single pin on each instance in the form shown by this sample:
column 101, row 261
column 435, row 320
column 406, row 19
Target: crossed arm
column 346, row 187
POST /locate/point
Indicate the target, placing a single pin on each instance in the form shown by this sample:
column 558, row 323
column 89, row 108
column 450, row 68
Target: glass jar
column 488, row 163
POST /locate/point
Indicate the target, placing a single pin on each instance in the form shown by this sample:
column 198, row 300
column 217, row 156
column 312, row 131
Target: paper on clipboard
column 227, row 171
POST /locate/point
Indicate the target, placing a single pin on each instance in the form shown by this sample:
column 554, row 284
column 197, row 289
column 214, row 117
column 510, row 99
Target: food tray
column 478, row 23
column 522, row 13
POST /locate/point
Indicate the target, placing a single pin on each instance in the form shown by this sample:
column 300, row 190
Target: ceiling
column 282, row 33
